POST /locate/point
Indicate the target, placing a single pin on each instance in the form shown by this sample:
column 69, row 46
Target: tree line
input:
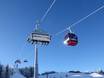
column 28, row 72
column 7, row 71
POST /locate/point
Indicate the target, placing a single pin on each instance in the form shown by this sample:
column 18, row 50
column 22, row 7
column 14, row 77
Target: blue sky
column 17, row 20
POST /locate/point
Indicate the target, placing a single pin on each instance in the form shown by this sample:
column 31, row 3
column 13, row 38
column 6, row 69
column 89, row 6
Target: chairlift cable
column 79, row 21
column 48, row 10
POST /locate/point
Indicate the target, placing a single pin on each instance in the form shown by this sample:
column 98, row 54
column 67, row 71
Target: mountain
column 72, row 75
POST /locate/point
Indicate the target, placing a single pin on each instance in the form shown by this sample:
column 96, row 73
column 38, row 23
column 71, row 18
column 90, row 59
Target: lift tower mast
column 38, row 37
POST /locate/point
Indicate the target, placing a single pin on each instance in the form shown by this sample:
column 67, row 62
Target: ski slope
column 17, row 74
column 63, row 75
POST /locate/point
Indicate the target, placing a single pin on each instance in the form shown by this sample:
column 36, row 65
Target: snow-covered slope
column 96, row 75
column 73, row 75
column 17, row 74
column 62, row 75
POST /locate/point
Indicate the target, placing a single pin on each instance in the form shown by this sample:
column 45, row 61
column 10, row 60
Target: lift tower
column 38, row 37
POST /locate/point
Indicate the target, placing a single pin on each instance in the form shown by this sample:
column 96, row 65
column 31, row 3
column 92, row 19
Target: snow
column 73, row 75
column 96, row 75
column 17, row 74
column 63, row 75
column 76, row 75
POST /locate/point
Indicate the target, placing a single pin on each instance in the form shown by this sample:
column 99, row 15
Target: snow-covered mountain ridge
column 72, row 75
